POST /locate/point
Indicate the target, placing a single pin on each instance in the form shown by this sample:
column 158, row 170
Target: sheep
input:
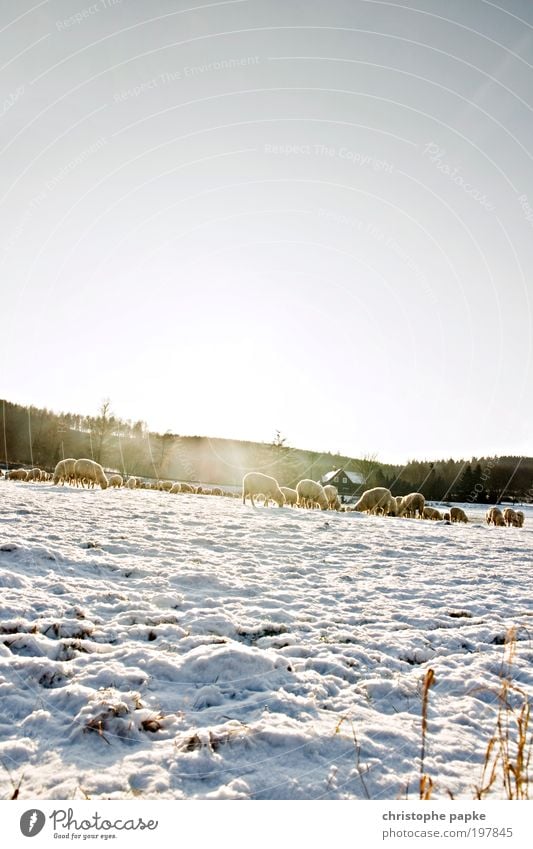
column 412, row 504
column 398, row 499
column 311, row 493
column 186, row 487
column 116, row 481
column 256, row 482
column 175, row 488
column 216, row 491
column 64, row 471
column 510, row 517
column 17, row 474
column 332, row 494
column 519, row 519
column 378, row 498
column 432, row 513
column 34, row 475
column 494, row 516
column 165, row 486
column 291, row 496
column 457, row 514
column 447, row 517
column 90, row 472
column 131, row 483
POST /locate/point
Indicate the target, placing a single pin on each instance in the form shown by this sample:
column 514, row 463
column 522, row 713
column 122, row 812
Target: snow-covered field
column 187, row 646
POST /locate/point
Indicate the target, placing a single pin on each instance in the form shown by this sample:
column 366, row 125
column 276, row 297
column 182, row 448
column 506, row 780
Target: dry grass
column 425, row 784
column 508, row 753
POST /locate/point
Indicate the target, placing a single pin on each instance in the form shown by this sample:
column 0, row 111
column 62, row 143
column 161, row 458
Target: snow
column 163, row 646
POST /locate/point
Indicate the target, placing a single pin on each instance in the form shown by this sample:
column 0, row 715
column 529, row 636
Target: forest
column 31, row 436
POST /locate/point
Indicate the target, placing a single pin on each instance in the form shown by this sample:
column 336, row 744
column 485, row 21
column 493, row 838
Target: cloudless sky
column 234, row 217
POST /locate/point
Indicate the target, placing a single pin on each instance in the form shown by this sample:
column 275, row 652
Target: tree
column 101, row 429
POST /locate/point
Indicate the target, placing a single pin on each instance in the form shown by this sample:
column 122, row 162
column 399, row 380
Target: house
column 348, row 483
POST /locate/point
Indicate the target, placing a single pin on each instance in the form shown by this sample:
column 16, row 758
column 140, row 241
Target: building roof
column 353, row 477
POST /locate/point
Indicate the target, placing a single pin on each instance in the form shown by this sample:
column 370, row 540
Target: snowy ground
column 187, row 646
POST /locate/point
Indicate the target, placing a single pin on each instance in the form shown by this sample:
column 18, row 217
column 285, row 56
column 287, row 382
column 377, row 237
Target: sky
column 232, row 218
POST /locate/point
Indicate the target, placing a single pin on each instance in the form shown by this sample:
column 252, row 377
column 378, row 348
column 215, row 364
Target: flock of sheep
column 88, row 473
column 308, row 493
column 378, row 501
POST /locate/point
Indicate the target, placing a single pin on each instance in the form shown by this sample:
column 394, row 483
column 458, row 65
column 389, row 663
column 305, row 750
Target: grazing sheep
column 510, row 517
column 494, row 516
column 311, row 493
column 132, row 483
column 175, row 488
column 116, row 481
column 164, row 486
column 412, row 504
column 398, row 499
column 64, row 471
column 377, row 499
column 332, row 494
column 33, row 475
column 447, row 517
column 186, row 487
column 89, row 472
column 291, row 496
column 519, row 519
column 255, row 482
column 17, row 475
column 216, row 491
column 457, row 514
column 432, row 513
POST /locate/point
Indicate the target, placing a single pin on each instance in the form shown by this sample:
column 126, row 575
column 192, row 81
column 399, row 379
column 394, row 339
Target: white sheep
column 432, row 513
column 186, row 487
column 412, row 504
column 64, row 471
column 17, row 474
column 116, row 481
column 176, row 487
column 90, row 472
column 510, row 517
column 378, row 499
column 519, row 519
column 332, row 494
column 291, row 496
column 457, row 514
column 165, row 486
column 255, row 482
column 494, row 516
column 311, row 493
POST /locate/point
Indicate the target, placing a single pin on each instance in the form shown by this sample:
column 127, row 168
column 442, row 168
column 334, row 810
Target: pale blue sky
column 241, row 216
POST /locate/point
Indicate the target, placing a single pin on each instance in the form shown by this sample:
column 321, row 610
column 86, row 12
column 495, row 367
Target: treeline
column 30, row 436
